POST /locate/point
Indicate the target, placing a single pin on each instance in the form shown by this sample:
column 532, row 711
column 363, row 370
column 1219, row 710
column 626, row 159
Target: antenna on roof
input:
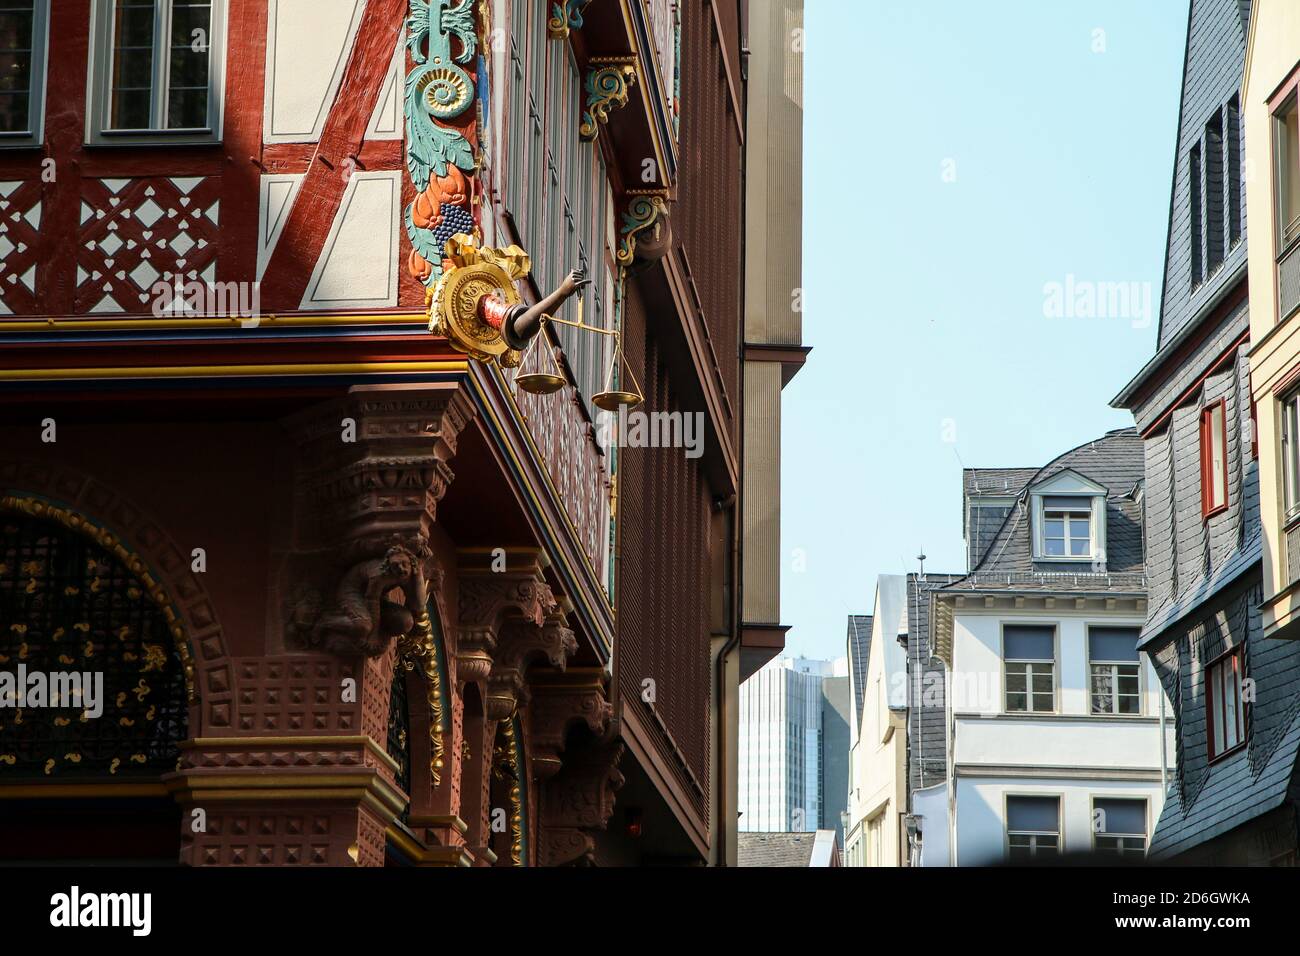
column 921, row 557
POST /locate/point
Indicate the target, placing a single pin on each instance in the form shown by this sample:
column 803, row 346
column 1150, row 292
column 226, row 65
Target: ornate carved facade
column 355, row 593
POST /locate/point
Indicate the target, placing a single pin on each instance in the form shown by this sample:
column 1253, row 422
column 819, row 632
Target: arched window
column 91, row 684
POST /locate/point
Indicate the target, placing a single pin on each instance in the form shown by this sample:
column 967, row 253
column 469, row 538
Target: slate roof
column 1115, row 461
column 859, row 651
column 927, row 727
column 1230, row 797
column 775, row 849
column 1213, row 64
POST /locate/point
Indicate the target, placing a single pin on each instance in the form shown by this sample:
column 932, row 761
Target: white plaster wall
column 931, row 805
column 307, row 48
column 977, row 659
column 981, row 826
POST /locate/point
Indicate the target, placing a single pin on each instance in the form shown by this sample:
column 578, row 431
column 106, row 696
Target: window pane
column 1079, row 547
column 1042, row 682
column 187, row 90
column 1218, row 492
column 1288, row 173
column 1216, row 690
column 1079, row 528
column 1054, row 547
column 1043, row 703
column 132, row 79
column 1102, row 690
column 1054, row 527
column 16, row 24
column 1016, row 680
column 1017, row 703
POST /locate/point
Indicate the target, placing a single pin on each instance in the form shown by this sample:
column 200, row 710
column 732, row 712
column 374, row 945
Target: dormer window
column 1069, row 519
column 1067, row 527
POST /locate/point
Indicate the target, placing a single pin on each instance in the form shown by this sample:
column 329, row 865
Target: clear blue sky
column 924, row 299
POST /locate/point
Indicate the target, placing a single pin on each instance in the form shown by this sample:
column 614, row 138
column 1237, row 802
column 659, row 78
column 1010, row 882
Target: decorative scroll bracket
column 607, row 85
column 645, row 225
column 566, row 15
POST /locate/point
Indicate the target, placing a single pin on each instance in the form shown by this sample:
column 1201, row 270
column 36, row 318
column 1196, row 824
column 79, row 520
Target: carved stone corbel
column 520, row 643
column 496, row 587
column 577, row 803
column 558, row 702
column 371, row 470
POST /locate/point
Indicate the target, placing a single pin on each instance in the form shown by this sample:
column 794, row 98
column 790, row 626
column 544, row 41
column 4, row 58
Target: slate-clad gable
column 1212, row 72
column 927, row 723
column 859, row 648
column 1204, row 573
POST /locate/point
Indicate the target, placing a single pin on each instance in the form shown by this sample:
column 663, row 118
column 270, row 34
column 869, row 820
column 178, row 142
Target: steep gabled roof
column 859, row 653
column 787, row 849
column 1115, row 462
column 1213, row 61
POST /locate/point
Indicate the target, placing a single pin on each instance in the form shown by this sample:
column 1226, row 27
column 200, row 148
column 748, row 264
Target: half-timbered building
column 324, row 326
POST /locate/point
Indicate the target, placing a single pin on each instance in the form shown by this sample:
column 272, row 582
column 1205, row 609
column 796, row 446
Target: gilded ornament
column 643, row 212
column 607, row 85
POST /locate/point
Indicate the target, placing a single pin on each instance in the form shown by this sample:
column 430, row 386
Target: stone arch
column 88, row 507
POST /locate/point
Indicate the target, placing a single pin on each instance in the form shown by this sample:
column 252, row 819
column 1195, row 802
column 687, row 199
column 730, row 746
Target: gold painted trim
column 217, row 371
column 422, row 855
column 440, row 820
column 322, row 742
column 266, row 321
column 367, row 787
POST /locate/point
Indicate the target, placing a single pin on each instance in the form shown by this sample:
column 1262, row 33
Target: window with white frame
column 1114, row 669
column 24, row 31
column 157, row 71
column 1119, row 826
column 1291, row 454
column 1067, row 526
column 1033, row 827
column 1029, row 668
column 1224, row 704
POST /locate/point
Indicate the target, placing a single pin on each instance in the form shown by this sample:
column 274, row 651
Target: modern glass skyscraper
column 784, row 732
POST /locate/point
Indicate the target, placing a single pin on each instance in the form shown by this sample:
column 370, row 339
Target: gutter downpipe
column 737, row 530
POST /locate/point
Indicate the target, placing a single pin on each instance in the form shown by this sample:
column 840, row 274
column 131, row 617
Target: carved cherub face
column 399, row 563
